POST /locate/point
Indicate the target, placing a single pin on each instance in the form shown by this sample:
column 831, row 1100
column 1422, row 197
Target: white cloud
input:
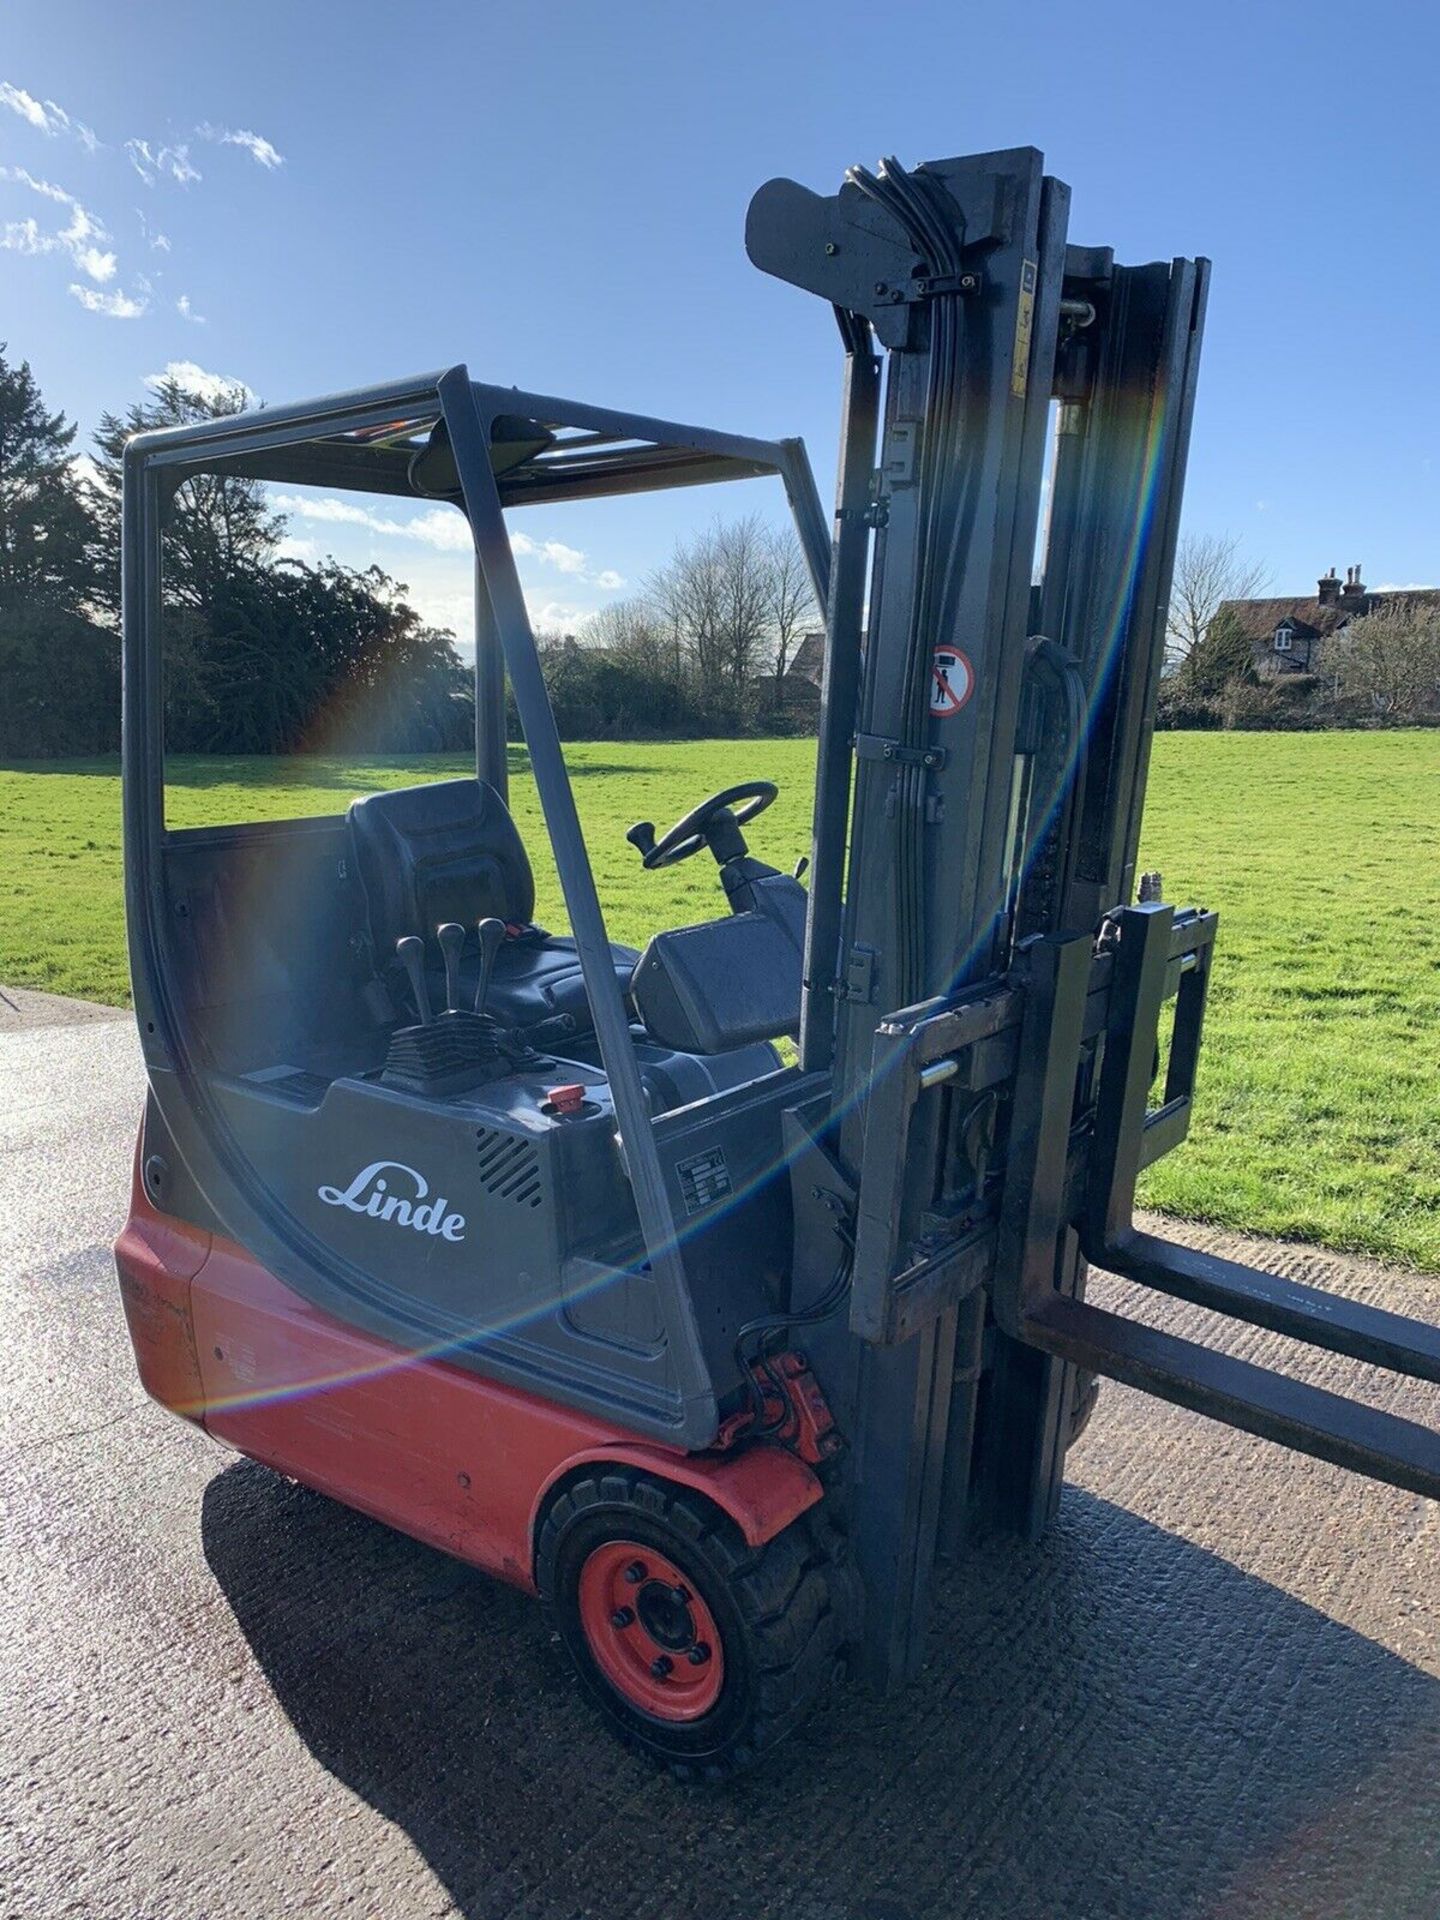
column 119, row 306
column 197, row 380
column 441, row 593
column 77, row 237
column 28, row 108
column 47, row 188
column 440, row 527
column 24, row 236
column 45, row 116
column 554, row 616
column 256, row 145
column 151, row 163
column 154, row 163
column 292, row 549
column 444, row 530
column 554, row 552
column 99, row 266
column 187, row 312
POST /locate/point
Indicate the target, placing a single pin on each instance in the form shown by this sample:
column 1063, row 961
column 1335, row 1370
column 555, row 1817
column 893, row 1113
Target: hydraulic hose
column 934, row 226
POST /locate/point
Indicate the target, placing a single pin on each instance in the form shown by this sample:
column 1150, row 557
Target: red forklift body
column 465, row 1464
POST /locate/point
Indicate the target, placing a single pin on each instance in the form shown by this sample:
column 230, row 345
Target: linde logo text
column 368, row 1193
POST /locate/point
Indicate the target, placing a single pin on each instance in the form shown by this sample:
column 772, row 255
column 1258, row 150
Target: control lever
column 492, row 933
column 452, row 938
column 642, row 837
column 411, row 952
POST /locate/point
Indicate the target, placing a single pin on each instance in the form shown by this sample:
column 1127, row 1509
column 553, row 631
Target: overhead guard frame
column 618, row 453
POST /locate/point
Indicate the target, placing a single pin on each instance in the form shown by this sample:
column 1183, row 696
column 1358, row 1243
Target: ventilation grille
column 509, row 1167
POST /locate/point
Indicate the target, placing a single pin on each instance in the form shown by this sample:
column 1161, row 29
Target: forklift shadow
column 1113, row 1722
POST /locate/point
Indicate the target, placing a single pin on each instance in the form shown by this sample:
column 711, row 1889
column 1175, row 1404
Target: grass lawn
column 1320, row 1088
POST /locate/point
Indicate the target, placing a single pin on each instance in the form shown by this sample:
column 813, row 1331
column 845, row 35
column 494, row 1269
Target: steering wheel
column 698, row 828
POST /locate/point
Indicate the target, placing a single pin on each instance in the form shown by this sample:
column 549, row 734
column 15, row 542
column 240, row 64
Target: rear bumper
column 157, row 1258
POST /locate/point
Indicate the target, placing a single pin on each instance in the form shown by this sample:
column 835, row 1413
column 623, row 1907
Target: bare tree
column 558, row 654
column 634, row 630
column 687, row 595
column 716, row 598
column 1209, row 570
column 1390, row 658
column 792, row 599
column 744, row 554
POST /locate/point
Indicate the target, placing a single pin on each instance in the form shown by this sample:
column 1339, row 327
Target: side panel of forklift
column 515, row 1240
column 467, row 1465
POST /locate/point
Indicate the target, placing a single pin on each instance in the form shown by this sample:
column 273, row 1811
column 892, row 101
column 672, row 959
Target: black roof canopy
column 393, row 440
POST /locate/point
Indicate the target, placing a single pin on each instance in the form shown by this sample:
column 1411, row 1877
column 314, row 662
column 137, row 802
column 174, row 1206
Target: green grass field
column 1320, row 1089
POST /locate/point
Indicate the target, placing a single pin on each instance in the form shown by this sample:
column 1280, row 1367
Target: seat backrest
column 445, row 851
column 726, row 983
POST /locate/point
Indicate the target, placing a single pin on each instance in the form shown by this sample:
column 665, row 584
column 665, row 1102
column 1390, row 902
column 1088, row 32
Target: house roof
column 808, row 660
column 1311, row 620
column 1258, row 619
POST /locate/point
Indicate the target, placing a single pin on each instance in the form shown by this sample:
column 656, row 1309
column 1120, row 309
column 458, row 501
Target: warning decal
column 1024, row 326
column 952, row 681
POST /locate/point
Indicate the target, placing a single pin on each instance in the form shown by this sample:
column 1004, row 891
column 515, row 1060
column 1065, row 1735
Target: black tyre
column 698, row 1650
column 1085, row 1394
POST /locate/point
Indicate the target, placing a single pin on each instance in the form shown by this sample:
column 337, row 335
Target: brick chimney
column 1354, row 593
column 1329, row 595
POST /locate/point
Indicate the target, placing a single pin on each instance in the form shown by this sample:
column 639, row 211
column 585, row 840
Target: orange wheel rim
column 649, row 1632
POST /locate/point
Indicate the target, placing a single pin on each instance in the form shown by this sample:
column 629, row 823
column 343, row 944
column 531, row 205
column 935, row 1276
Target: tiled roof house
column 1288, row 635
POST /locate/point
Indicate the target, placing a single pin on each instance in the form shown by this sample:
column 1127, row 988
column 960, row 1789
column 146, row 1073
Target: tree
column 618, row 678
column 1221, row 658
column 1390, row 659
column 292, row 658
column 689, row 593
column 635, row 631
column 44, row 524
column 265, row 655
column 734, row 600
column 1209, row 570
column 217, row 525
column 59, row 672
column 61, row 680
column 792, row 599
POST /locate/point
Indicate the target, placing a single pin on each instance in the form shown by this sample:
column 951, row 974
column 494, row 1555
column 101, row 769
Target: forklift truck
column 542, row 1250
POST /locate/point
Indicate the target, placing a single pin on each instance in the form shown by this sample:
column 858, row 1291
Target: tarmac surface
column 1214, row 1690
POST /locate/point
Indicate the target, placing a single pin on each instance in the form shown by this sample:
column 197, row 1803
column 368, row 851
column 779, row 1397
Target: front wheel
column 698, row 1650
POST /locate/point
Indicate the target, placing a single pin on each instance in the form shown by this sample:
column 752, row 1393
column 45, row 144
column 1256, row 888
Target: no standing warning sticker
column 952, row 681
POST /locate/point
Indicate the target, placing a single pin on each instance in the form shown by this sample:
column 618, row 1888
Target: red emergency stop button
column 565, row 1099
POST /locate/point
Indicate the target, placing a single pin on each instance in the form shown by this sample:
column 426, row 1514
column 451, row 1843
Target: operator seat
column 449, row 850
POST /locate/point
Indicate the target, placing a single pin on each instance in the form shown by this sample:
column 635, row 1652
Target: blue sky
column 556, row 193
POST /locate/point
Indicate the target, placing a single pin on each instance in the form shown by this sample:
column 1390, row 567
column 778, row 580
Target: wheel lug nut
column 660, row 1667
column 622, row 1617
column 698, row 1654
column 682, row 1594
column 635, row 1572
